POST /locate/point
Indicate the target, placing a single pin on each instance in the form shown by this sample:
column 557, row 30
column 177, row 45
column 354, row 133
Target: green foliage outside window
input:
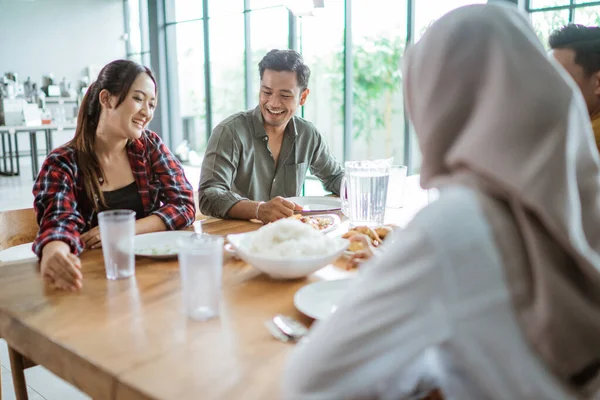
column 377, row 78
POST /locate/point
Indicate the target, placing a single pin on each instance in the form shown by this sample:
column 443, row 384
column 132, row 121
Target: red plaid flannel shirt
column 63, row 211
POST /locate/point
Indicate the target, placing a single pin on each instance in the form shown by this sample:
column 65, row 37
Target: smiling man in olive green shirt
column 257, row 158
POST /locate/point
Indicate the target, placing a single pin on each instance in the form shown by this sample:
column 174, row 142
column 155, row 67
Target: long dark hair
column 117, row 78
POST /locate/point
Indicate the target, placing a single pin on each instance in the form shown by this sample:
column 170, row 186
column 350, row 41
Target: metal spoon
column 287, row 329
column 290, row 326
column 276, row 332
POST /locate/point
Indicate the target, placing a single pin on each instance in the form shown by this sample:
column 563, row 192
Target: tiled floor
column 15, row 191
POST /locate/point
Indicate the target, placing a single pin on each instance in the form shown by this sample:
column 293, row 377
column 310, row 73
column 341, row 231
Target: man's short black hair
column 584, row 40
column 286, row 60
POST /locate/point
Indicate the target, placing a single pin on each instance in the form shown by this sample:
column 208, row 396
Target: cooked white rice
column 289, row 238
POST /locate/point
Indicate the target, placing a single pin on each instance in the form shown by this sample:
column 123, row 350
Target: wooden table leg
column 17, row 364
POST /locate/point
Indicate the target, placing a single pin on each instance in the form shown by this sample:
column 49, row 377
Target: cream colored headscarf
column 487, row 104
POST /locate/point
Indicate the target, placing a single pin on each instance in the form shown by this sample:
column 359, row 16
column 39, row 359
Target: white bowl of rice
column 287, row 249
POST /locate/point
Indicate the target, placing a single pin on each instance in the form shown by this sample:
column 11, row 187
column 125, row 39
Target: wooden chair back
column 17, row 227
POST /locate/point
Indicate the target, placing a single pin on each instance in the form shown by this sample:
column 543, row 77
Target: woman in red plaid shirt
column 112, row 162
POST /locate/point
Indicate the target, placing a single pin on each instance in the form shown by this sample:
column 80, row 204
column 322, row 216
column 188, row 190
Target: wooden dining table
column 130, row 339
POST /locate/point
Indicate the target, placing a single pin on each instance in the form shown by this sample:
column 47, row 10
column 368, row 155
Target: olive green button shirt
column 238, row 164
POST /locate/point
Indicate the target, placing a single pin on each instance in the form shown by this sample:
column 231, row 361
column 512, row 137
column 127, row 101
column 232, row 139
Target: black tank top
column 125, row 198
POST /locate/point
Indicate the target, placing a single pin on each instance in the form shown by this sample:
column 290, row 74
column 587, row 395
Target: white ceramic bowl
column 285, row 268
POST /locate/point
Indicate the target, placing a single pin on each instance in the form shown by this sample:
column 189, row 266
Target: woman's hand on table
column 61, row 268
column 91, row 239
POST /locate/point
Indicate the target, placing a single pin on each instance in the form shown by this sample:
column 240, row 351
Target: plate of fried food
column 321, row 222
column 375, row 237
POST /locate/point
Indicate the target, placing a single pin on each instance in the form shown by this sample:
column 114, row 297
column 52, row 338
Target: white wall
column 62, row 37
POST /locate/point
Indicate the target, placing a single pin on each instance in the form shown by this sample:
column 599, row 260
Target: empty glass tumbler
column 200, row 267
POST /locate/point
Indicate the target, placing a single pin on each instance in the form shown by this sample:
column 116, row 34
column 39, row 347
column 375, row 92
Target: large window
column 548, row 15
column 210, row 89
column 212, row 49
column 269, row 29
column 378, row 41
column 227, row 65
column 136, row 26
column 191, row 85
column 322, row 46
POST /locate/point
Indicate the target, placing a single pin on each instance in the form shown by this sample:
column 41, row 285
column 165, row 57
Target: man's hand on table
column 276, row 208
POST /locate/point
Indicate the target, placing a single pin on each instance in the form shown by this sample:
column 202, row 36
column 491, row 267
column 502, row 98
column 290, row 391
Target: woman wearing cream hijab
column 494, row 289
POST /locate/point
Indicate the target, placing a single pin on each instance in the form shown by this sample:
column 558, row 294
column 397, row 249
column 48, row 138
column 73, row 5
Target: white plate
column 159, row 245
column 317, row 203
column 335, row 221
column 21, row 252
column 320, row 299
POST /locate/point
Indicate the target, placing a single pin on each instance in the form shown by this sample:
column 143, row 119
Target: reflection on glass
column 378, row 41
column 227, row 66
column 190, row 69
column 187, row 9
column 588, row 16
column 321, row 44
column 533, row 4
column 135, row 38
column 546, row 22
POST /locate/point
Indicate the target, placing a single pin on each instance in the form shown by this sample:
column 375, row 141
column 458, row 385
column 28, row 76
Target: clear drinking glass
column 117, row 229
column 364, row 191
column 396, row 186
column 200, row 267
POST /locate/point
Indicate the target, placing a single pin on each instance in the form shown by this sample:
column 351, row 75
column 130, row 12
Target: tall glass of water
column 117, row 229
column 364, row 191
column 200, row 267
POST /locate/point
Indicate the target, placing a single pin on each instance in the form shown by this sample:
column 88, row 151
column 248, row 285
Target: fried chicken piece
column 349, row 234
column 375, row 239
column 356, row 246
column 359, row 245
column 383, row 231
